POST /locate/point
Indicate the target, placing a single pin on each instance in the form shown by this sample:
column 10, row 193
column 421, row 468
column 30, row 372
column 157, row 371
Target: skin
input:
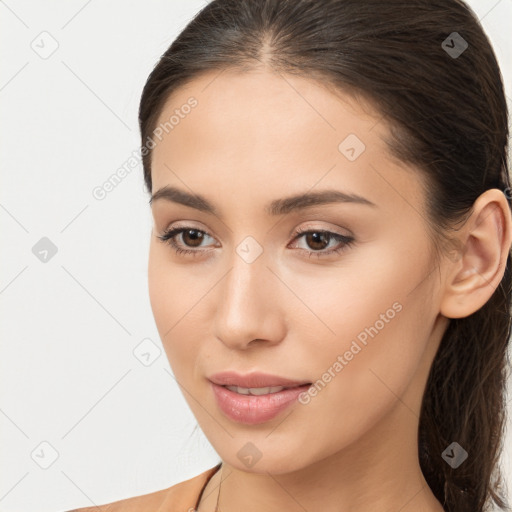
column 258, row 136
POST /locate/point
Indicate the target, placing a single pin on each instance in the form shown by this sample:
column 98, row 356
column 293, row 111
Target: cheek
column 372, row 384
column 166, row 297
column 375, row 332
column 176, row 301
column 171, row 291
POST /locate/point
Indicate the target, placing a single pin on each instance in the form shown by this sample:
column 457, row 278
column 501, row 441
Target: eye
column 195, row 236
column 317, row 239
column 320, row 239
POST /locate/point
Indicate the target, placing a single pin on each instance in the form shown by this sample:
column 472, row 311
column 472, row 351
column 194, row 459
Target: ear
column 485, row 241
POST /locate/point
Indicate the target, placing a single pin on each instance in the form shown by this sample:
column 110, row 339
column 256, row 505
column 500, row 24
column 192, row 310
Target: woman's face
column 358, row 317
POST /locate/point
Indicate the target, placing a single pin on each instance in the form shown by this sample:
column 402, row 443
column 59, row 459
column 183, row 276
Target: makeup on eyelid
column 346, row 241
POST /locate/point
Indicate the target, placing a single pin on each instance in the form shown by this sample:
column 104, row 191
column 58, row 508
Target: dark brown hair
column 447, row 115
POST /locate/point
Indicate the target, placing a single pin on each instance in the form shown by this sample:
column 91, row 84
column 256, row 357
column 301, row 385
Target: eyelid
column 309, row 226
column 313, row 226
column 174, row 230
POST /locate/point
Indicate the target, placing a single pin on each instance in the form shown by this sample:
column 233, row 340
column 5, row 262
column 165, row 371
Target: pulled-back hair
column 445, row 106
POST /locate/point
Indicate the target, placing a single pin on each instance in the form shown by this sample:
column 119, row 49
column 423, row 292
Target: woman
column 329, row 267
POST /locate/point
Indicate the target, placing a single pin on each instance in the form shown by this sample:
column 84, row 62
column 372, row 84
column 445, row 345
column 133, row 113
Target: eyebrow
column 276, row 207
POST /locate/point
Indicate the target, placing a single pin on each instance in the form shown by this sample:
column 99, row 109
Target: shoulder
column 182, row 496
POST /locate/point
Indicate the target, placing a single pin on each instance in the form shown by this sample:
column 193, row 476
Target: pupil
column 316, row 238
column 195, row 235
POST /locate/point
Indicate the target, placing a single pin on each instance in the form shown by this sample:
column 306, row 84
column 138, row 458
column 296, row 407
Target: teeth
column 255, row 391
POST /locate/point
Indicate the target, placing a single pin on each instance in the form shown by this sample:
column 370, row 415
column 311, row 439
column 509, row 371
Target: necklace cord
column 218, row 495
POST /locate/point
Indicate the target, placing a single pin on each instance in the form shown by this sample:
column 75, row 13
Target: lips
column 254, row 398
column 254, row 380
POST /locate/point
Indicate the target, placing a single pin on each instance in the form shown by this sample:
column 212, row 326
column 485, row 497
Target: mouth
column 261, row 391
column 255, row 381
column 255, row 398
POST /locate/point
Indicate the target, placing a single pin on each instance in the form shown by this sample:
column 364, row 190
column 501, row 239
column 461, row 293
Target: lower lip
column 254, row 409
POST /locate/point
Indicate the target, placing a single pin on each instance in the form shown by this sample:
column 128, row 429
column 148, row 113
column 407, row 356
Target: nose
column 250, row 310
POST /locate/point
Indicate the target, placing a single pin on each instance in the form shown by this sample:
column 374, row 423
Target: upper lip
column 254, row 380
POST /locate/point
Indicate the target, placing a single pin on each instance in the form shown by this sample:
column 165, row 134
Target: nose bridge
column 248, row 305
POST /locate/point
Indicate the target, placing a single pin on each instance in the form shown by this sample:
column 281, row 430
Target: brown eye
column 192, row 237
column 190, row 243
column 317, row 240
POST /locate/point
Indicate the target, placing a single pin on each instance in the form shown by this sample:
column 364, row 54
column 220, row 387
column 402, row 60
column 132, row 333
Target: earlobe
column 485, row 239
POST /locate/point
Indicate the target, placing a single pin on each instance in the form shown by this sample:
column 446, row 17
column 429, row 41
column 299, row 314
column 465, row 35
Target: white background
column 69, row 326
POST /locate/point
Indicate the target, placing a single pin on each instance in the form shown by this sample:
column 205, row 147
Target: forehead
column 264, row 133
column 260, row 113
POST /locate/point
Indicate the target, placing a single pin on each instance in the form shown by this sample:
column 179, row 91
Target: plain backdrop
column 85, row 419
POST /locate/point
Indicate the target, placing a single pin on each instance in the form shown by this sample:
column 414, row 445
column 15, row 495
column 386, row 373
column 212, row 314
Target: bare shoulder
column 134, row 504
column 181, row 496
column 89, row 509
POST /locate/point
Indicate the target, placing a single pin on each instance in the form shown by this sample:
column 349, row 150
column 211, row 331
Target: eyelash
column 168, row 238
